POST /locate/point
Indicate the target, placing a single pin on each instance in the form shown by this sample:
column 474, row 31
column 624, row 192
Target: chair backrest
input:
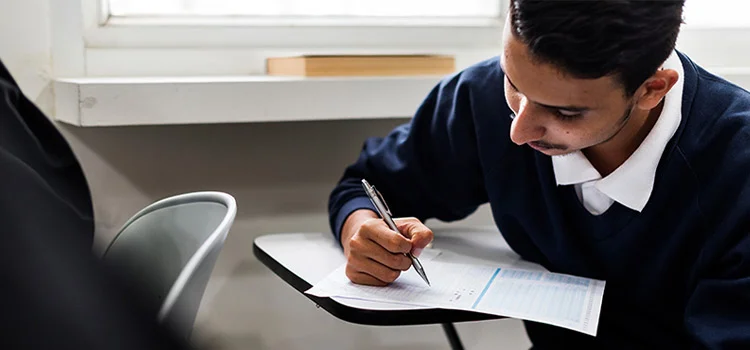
column 170, row 248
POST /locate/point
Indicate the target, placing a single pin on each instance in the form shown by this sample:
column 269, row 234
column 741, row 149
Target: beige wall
column 280, row 173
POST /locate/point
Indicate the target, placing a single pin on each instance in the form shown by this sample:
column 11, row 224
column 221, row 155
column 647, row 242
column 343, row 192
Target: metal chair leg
column 453, row 339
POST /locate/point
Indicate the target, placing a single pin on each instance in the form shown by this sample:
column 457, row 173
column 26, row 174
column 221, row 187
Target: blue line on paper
column 486, row 287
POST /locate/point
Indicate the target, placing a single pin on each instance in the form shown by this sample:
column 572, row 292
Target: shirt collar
column 630, row 184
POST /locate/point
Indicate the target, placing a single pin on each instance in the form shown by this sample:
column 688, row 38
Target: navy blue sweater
column 678, row 273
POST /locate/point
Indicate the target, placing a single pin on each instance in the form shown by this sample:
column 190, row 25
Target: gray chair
column 170, row 248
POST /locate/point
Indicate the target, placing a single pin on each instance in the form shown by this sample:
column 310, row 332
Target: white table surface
column 313, row 256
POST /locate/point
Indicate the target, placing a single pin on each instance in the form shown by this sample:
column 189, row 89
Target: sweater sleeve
column 429, row 167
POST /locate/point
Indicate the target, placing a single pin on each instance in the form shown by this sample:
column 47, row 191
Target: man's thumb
column 419, row 235
column 420, row 238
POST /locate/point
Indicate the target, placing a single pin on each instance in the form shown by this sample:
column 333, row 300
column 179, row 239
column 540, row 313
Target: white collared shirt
column 632, row 182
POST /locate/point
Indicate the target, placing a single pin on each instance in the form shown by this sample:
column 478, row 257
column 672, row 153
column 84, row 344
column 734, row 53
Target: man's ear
column 656, row 87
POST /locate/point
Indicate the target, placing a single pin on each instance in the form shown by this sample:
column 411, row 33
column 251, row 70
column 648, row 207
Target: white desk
column 303, row 259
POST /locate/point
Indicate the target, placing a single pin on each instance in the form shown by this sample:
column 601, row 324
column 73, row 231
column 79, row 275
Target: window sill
column 90, row 102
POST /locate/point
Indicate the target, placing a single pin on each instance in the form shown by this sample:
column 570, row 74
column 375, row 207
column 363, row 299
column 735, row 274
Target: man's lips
column 540, row 146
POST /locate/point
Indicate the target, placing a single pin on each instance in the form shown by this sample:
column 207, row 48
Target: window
column 716, row 35
column 358, row 8
column 717, row 13
column 714, row 13
column 224, row 37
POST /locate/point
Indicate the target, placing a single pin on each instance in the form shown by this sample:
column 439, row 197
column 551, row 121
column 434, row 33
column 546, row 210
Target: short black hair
column 589, row 39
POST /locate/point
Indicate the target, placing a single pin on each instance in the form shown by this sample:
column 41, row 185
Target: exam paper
column 530, row 294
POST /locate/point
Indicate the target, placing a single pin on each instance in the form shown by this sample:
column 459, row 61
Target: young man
column 603, row 153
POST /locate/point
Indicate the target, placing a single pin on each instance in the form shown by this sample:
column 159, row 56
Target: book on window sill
column 360, row 65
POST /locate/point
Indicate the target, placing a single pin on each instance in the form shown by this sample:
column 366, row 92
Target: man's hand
column 374, row 252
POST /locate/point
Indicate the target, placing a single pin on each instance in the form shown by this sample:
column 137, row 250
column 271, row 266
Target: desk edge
column 367, row 316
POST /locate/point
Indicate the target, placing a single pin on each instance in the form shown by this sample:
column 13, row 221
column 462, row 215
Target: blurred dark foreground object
column 54, row 293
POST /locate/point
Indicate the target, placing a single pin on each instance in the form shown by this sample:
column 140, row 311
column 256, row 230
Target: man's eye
column 567, row 115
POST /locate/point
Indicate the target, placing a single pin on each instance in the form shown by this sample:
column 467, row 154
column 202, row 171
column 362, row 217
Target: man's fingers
column 377, row 231
column 367, row 249
column 363, row 278
column 375, row 253
column 372, row 268
column 419, row 234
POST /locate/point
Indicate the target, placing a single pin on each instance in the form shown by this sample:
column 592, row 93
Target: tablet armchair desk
column 303, row 259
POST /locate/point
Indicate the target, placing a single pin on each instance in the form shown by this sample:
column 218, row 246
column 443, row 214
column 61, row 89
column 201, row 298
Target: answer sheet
column 524, row 293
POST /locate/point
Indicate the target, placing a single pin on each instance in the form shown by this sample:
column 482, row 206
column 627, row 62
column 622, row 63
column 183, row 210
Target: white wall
column 25, row 46
column 280, row 173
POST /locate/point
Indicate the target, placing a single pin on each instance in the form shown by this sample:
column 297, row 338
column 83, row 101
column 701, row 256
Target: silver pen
column 385, row 213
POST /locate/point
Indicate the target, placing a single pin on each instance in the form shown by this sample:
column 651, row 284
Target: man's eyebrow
column 571, row 108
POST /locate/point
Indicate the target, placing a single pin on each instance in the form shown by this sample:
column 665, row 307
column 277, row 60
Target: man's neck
column 607, row 157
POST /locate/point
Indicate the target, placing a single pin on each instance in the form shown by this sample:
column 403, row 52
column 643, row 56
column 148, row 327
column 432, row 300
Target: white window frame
column 88, row 43
column 175, row 65
column 121, row 46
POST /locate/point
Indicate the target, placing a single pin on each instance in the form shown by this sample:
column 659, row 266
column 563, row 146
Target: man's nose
column 527, row 125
